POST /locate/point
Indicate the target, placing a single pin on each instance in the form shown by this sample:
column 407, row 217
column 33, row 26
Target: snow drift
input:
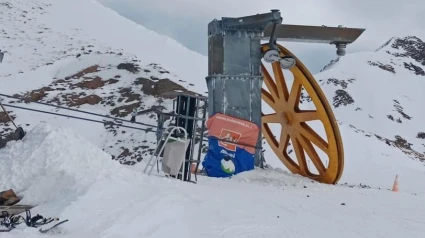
column 68, row 177
column 52, row 164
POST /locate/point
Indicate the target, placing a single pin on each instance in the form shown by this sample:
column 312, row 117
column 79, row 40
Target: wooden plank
column 15, row 209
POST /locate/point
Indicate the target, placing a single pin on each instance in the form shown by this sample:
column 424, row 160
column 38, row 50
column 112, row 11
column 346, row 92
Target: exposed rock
column 401, row 142
column 112, row 81
column 89, row 70
column 342, row 98
column 330, row 64
column 338, row 82
column 125, row 110
column 413, row 47
column 4, row 118
column 385, row 67
column 403, row 145
column 130, row 67
column 36, row 95
column 91, row 83
column 161, row 88
column 399, row 109
column 416, row 69
column 129, row 95
column 78, row 100
column 304, row 97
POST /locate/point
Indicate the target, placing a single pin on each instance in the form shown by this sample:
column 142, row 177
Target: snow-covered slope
column 382, row 93
column 79, row 54
column 98, row 62
column 38, row 32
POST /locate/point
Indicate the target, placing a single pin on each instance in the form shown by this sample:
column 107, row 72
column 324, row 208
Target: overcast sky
column 187, row 20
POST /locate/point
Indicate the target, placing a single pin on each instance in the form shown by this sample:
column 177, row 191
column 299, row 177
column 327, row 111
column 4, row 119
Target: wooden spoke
column 294, row 123
column 312, row 136
column 294, row 97
column 269, row 82
column 267, row 98
column 299, row 152
column 307, row 115
column 280, row 82
column 312, row 154
column 270, row 118
column 284, row 139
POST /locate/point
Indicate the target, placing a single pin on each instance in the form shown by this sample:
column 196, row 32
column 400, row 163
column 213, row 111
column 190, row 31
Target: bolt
column 340, row 49
column 276, row 14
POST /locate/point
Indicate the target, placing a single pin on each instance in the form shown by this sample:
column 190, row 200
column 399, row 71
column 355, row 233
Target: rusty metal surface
column 314, row 34
column 253, row 23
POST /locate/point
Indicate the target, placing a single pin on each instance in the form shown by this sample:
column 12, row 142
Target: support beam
column 314, row 34
column 234, row 67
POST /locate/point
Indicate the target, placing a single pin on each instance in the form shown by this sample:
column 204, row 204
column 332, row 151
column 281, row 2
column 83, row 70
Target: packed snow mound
column 50, row 161
column 102, row 200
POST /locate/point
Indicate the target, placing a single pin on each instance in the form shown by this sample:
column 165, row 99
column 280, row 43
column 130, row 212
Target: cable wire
column 106, row 116
column 75, row 110
column 79, row 118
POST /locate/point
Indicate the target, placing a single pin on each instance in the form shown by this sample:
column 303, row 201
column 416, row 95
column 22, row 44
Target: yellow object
column 285, row 103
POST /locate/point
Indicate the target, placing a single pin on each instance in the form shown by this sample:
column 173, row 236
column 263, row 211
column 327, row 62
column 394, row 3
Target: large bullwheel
column 326, row 166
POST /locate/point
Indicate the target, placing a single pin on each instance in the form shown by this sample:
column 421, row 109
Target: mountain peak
column 406, row 47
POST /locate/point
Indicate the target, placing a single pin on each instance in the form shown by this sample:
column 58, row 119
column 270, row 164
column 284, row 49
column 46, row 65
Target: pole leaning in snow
column 1, row 105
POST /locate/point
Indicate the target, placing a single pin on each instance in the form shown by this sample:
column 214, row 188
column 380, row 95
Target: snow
column 107, row 32
column 70, row 178
column 48, row 156
column 64, row 166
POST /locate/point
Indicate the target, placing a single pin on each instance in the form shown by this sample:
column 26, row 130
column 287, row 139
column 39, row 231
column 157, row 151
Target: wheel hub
column 287, row 118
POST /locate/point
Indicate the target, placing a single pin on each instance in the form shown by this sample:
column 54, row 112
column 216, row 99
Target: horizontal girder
column 313, row 34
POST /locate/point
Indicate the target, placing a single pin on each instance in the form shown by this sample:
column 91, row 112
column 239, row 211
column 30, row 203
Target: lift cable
column 75, row 110
column 79, row 118
column 105, row 116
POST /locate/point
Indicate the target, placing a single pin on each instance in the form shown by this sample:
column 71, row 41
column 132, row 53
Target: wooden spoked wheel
column 294, row 123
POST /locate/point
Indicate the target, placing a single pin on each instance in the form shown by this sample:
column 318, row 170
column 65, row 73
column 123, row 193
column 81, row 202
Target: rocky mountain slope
column 84, row 63
column 382, row 93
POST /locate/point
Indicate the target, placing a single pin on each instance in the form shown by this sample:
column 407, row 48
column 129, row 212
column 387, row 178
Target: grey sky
column 187, row 20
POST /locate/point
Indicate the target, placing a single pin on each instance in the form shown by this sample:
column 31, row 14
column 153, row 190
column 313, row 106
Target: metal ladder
column 161, row 145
